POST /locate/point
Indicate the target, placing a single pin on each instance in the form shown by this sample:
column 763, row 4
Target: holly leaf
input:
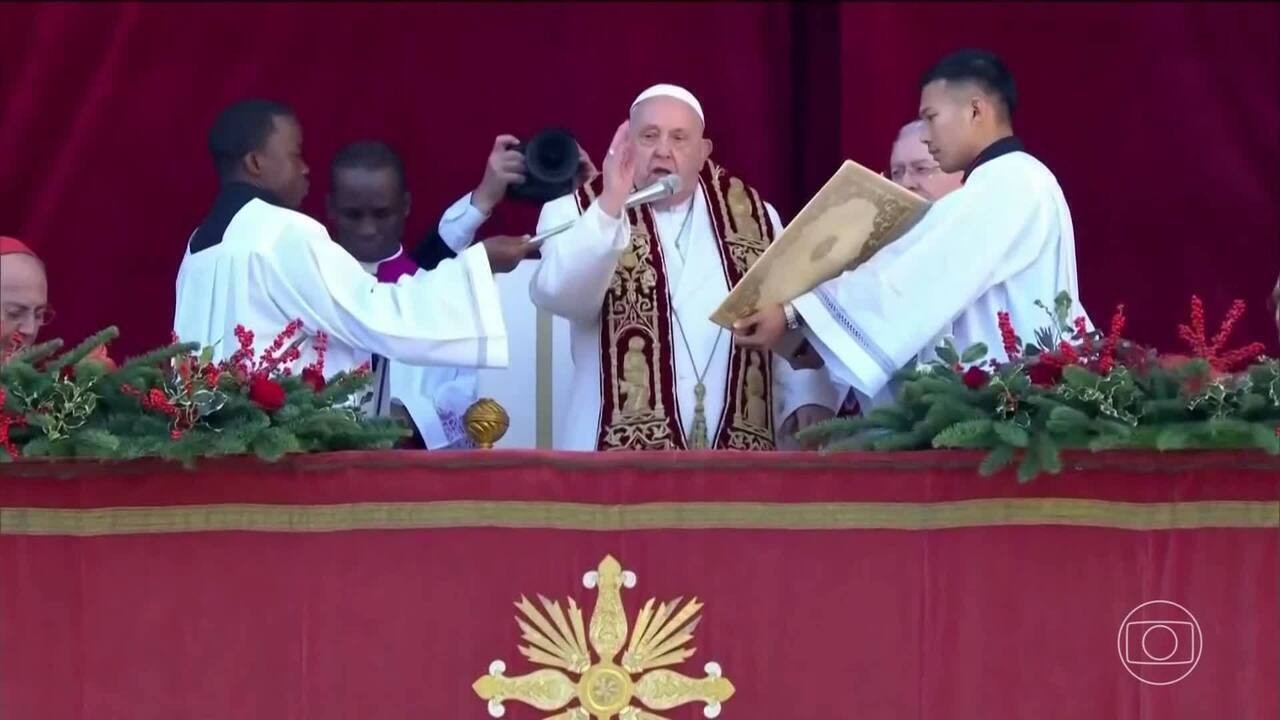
column 974, row 353
column 947, row 352
column 206, row 355
column 1078, row 377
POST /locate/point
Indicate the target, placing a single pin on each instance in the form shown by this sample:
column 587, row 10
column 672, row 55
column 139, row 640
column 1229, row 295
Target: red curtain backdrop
column 1160, row 120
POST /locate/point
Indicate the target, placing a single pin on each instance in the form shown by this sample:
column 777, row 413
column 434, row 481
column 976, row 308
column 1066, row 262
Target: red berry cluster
column 1082, row 332
column 1107, row 358
column 154, row 399
column 240, row 360
column 1008, row 336
column 313, row 374
column 262, row 390
column 269, row 361
column 7, row 421
column 1194, row 336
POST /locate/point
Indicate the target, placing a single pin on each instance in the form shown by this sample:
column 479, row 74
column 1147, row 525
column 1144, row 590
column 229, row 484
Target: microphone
column 666, row 187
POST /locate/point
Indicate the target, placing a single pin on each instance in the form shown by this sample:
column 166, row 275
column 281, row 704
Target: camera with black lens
column 551, row 167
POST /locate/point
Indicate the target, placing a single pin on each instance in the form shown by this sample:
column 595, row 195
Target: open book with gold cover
column 855, row 214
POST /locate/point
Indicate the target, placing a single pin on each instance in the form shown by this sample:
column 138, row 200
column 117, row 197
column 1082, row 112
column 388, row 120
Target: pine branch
column 821, row 432
column 967, row 434
column 159, row 356
column 81, row 351
column 35, row 353
column 1011, row 434
column 996, row 460
column 894, row 441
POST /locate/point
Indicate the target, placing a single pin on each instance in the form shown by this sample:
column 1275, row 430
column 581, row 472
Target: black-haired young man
column 256, row 262
column 1000, row 243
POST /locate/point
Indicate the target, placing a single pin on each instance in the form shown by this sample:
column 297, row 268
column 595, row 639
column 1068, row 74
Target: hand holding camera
column 550, row 165
column 504, row 166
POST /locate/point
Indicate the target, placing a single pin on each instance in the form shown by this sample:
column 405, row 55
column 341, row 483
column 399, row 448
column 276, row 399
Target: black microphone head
column 551, row 167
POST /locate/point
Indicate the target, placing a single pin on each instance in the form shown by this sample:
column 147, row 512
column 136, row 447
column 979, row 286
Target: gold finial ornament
column 486, row 422
column 606, row 688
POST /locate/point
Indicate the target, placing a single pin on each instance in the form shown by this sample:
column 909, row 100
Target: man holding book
column 1002, row 242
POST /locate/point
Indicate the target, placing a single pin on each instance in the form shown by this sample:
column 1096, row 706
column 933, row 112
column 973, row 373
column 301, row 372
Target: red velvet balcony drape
column 870, row 587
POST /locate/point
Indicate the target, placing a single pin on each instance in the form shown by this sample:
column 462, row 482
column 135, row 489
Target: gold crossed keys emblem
column 605, row 689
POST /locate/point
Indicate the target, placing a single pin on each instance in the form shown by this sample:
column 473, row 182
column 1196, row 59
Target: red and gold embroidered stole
column 637, row 367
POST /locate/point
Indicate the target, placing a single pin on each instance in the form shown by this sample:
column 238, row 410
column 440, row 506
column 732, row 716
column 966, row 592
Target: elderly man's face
column 24, row 298
column 668, row 139
column 912, row 167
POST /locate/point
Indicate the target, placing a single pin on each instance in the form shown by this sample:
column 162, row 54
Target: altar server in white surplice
column 258, row 262
column 650, row 370
column 999, row 243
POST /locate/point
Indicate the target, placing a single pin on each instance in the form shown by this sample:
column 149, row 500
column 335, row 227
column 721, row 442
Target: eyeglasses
column 921, row 170
column 18, row 314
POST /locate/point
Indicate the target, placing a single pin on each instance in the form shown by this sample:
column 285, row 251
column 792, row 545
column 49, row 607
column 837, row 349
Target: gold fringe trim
column 648, row 516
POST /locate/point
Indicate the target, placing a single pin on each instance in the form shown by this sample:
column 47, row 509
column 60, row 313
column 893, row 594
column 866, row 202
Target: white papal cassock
column 256, row 264
column 999, row 243
column 576, row 272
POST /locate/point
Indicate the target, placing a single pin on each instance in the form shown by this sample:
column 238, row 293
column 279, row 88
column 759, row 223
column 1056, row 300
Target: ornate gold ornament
column 605, row 689
column 485, row 422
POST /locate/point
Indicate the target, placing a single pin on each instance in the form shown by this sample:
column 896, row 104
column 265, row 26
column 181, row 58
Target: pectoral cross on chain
column 698, row 433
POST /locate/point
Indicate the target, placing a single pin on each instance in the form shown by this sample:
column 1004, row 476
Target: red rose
column 266, row 393
column 1044, row 374
column 314, row 378
column 975, row 378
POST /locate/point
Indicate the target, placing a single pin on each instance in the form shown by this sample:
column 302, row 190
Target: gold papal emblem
column 606, row 688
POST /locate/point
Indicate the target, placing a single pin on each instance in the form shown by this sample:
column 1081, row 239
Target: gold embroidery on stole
column 744, row 231
column 637, row 366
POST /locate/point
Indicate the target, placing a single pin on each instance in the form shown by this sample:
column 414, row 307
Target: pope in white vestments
column 258, row 263
column 1002, row 242
column 650, row 370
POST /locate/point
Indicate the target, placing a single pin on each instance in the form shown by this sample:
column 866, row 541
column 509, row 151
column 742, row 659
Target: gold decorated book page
column 855, row 214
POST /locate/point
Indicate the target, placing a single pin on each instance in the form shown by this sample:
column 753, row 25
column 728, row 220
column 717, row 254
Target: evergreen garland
column 1075, row 388
column 172, row 403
